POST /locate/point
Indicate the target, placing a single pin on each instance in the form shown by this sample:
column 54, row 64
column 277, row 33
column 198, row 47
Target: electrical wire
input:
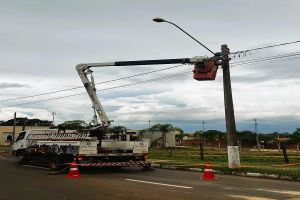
column 103, row 82
column 266, row 59
column 235, row 64
column 265, row 47
column 145, row 73
column 113, row 80
column 105, row 89
column 4, row 114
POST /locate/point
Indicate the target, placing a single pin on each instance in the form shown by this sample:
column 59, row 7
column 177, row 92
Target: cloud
column 41, row 43
column 4, row 85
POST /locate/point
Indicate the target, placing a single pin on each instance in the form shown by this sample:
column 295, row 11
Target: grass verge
column 262, row 162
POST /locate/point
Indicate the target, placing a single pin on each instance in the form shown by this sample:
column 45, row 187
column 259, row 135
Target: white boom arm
column 83, row 70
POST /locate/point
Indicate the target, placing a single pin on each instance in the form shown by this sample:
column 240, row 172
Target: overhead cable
column 105, row 89
column 234, row 64
column 265, row 47
column 103, row 82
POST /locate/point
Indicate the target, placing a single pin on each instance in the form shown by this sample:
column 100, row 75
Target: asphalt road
column 26, row 182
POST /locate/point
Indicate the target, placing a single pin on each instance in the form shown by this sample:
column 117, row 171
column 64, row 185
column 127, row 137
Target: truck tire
column 55, row 163
column 24, row 159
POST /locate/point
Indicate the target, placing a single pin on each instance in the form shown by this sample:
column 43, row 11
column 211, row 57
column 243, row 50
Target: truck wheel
column 55, row 163
column 24, row 159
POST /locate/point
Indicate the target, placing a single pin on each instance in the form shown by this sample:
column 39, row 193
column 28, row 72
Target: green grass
column 258, row 161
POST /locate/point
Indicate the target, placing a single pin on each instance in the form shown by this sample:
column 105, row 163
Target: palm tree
column 164, row 129
column 117, row 131
column 155, row 127
column 179, row 136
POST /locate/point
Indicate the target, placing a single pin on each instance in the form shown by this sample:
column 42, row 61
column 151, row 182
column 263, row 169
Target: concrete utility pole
column 232, row 145
column 203, row 122
column 256, row 132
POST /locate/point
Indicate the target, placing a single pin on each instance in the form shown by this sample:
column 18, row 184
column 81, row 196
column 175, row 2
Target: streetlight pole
column 203, row 122
column 149, row 121
column 160, row 20
column 232, row 146
column 256, row 132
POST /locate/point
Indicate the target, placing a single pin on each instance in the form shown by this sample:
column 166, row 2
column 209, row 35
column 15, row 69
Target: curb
column 247, row 174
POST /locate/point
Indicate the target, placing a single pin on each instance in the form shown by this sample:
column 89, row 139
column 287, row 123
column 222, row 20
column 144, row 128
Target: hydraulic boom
column 84, row 70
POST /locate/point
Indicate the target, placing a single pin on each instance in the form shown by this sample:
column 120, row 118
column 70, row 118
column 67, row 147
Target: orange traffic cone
column 73, row 173
column 208, row 172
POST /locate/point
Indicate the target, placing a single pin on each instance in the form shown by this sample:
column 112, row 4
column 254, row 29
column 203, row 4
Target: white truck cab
column 21, row 143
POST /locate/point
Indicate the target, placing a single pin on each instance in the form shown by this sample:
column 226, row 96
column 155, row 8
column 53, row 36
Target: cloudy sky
column 42, row 41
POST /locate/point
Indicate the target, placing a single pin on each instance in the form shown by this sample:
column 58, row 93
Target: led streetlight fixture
column 159, row 20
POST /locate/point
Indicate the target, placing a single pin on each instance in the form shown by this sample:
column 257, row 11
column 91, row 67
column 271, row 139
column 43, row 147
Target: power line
column 266, row 59
column 145, row 73
column 4, row 114
column 105, row 89
column 236, row 64
column 265, row 47
column 103, row 82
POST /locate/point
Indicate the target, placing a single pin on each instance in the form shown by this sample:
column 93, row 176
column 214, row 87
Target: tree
column 247, row 137
column 210, row 136
column 117, row 131
column 155, row 128
column 179, row 137
column 78, row 125
column 215, row 135
column 20, row 121
column 198, row 135
column 295, row 137
column 164, row 129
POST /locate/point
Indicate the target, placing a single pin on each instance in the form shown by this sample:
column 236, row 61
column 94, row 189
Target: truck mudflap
column 117, row 164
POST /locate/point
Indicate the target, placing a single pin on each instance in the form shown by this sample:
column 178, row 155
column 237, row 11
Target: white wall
column 153, row 136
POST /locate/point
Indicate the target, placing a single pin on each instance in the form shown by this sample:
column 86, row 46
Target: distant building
column 189, row 140
column 132, row 134
column 156, row 138
column 6, row 132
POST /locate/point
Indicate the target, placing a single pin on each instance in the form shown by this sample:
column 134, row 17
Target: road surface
column 31, row 182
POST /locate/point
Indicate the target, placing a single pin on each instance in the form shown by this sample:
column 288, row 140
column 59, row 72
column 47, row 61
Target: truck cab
column 21, row 143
